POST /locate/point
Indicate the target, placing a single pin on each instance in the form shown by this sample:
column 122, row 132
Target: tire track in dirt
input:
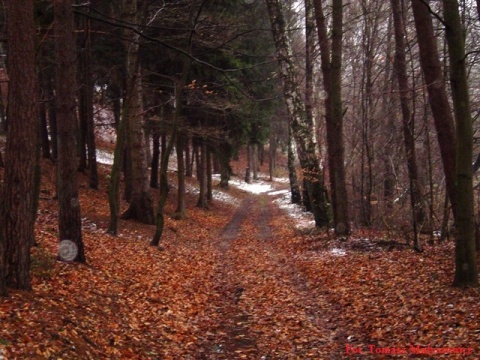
column 260, row 295
column 231, row 338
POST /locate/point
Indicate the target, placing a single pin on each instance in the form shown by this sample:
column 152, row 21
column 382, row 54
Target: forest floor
column 236, row 281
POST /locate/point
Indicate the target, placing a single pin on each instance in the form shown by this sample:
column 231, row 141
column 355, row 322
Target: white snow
column 104, row 157
column 278, row 192
column 338, row 252
column 256, row 187
column 303, row 219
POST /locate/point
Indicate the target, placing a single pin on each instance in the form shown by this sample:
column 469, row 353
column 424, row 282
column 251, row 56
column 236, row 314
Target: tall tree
column 296, row 195
column 302, row 129
column 202, row 174
column 70, row 223
column 466, row 272
column 163, row 178
column 438, row 99
column 130, row 130
column 16, row 226
column 331, row 59
column 180, row 212
column 86, row 103
column 141, row 204
column 408, row 118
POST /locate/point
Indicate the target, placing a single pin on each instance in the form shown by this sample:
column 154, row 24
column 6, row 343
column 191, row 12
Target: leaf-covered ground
column 236, row 281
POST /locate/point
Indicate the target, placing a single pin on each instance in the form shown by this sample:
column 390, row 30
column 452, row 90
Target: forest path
column 260, row 299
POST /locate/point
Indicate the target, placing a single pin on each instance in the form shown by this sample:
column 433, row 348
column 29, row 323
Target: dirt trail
column 262, row 307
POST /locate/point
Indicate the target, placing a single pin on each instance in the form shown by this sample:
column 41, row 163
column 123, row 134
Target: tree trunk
column 296, row 196
column 3, row 96
column 188, row 158
column 17, row 227
column 86, row 112
column 202, row 176
column 70, row 223
column 45, row 142
column 466, row 272
column 82, row 125
column 159, row 215
column 331, row 59
column 272, row 150
column 141, row 204
column 437, row 95
column 224, row 154
column 115, row 174
column 302, row 129
column 209, row 176
column 155, row 160
column 388, row 108
column 254, row 153
column 248, row 171
column 180, row 212
column 196, row 157
column 52, row 116
column 407, row 119
column 370, row 30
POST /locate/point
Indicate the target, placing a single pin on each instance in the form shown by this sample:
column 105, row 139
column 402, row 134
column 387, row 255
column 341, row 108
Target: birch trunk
column 302, row 128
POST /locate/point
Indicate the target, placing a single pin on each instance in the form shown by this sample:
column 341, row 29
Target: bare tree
column 466, row 272
column 86, row 104
column 331, row 59
column 408, row 119
column 302, row 129
column 438, row 99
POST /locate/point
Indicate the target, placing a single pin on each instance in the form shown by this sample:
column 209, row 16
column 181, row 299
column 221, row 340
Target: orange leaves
column 275, row 293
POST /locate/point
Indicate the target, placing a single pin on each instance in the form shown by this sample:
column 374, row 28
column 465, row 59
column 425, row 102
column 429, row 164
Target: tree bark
column 295, row 194
column 466, row 272
column 438, row 98
column 209, row 175
column 302, row 129
column 52, row 116
column 272, row 151
column 408, row 121
column 254, row 153
column 180, row 212
column 87, row 104
column 43, row 77
column 202, row 175
column 164, row 189
column 141, row 204
column 331, row 59
column 155, row 159
column 70, row 223
column 248, row 172
column 188, row 159
column 16, row 225
column 223, row 155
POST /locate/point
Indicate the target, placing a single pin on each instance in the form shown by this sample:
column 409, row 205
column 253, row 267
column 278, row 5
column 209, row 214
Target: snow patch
column 258, row 187
column 278, row 192
column 104, row 157
column 225, row 198
column 338, row 252
column 303, row 219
